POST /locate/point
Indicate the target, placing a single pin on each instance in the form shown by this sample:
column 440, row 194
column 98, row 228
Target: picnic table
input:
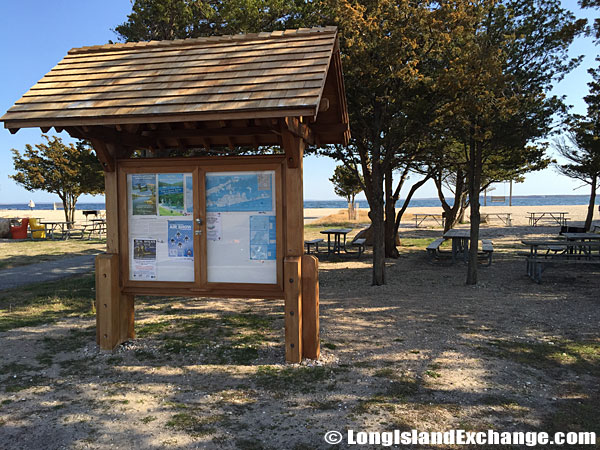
column 420, row 218
column 337, row 239
column 90, row 212
column 544, row 253
column 558, row 217
column 504, row 217
column 51, row 226
column 460, row 242
column 582, row 236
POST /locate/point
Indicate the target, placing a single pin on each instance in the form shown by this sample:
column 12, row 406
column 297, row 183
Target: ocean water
column 524, row 200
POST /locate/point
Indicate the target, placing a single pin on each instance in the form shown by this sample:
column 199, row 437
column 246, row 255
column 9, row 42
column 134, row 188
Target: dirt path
column 45, row 271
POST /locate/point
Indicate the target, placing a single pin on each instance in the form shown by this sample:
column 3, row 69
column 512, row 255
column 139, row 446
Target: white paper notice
column 214, row 226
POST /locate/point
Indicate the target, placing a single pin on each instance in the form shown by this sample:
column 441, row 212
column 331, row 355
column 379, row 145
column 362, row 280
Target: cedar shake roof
column 277, row 75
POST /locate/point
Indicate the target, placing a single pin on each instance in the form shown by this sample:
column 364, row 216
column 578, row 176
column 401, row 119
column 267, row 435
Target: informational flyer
column 144, row 259
column 143, row 194
column 170, row 194
column 263, row 238
column 189, row 195
column 180, row 239
column 239, row 192
column 214, row 226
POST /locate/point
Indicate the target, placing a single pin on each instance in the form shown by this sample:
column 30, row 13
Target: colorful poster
column 181, row 239
column 144, row 259
column 239, row 192
column 170, row 194
column 143, row 194
column 263, row 238
column 214, row 226
column 189, row 195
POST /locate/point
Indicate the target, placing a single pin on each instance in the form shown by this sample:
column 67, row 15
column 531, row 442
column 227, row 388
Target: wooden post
column 292, row 270
column 107, row 310
column 294, row 245
column 311, row 347
column 114, row 310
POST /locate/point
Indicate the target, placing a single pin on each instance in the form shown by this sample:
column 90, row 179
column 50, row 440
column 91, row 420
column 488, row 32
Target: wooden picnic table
column 420, row 218
column 460, row 242
column 55, row 225
column 90, row 212
column 582, row 236
column 546, row 252
column 504, row 217
column 337, row 239
column 558, row 217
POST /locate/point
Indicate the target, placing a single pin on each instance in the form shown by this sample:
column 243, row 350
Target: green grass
column 47, row 302
column 193, row 424
column 304, row 379
column 226, row 339
column 19, row 253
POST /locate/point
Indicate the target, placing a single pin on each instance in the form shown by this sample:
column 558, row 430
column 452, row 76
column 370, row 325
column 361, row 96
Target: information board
column 241, row 227
column 161, row 231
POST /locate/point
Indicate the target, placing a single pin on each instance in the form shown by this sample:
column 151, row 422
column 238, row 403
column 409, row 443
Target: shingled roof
column 275, row 75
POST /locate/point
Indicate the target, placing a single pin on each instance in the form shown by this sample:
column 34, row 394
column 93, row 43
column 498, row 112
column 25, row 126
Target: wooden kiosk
column 186, row 213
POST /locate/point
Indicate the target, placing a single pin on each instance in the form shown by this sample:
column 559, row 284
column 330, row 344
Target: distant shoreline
column 517, row 200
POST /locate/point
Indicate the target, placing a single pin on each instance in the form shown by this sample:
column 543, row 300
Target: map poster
column 144, row 259
column 180, row 239
column 170, row 194
column 263, row 238
column 189, row 195
column 239, row 192
column 143, row 194
column 214, row 227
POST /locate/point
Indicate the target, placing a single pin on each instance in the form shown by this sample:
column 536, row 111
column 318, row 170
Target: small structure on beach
column 186, row 213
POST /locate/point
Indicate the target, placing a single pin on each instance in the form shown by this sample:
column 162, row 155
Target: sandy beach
column 519, row 214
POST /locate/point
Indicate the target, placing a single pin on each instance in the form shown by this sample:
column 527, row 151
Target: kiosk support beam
column 114, row 310
column 311, row 347
column 294, row 246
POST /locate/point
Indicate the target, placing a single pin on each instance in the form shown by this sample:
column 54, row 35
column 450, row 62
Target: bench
column 314, row 242
column 536, row 266
column 433, row 248
column 488, row 249
column 360, row 243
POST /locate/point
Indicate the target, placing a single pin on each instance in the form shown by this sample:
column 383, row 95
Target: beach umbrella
column 31, row 204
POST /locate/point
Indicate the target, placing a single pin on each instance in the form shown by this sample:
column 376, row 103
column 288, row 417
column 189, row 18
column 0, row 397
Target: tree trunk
column 377, row 222
column 590, row 212
column 450, row 212
column 391, row 251
column 474, row 189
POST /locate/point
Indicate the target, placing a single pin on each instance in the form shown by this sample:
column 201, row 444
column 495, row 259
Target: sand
column 576, row 214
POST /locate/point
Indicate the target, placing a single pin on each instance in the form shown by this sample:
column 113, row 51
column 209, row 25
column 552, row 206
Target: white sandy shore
column 519, row 214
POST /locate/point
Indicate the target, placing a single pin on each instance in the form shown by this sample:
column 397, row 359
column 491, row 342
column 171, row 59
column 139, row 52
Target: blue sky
column 36, row 34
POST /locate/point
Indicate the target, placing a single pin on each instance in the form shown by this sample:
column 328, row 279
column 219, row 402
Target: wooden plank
column 126, row 317
column 144, row 98
column 200, row 56
column 107, row 301
column 56, row 111
column 171, row 89
column 294, row 150
column 25, row 120
column 140, row 71
column 292, row 268
column 171, row 82
column 311, row 347
column 113, row 51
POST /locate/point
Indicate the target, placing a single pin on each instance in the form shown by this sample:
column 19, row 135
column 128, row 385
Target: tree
column 65, row 170
column 510, row 54
column 346, row 184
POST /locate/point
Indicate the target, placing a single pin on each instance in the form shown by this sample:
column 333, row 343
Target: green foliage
column 346, row 183
column 65, row 170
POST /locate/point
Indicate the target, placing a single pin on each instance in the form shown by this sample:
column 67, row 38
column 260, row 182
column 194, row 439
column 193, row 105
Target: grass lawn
column 19, row 253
